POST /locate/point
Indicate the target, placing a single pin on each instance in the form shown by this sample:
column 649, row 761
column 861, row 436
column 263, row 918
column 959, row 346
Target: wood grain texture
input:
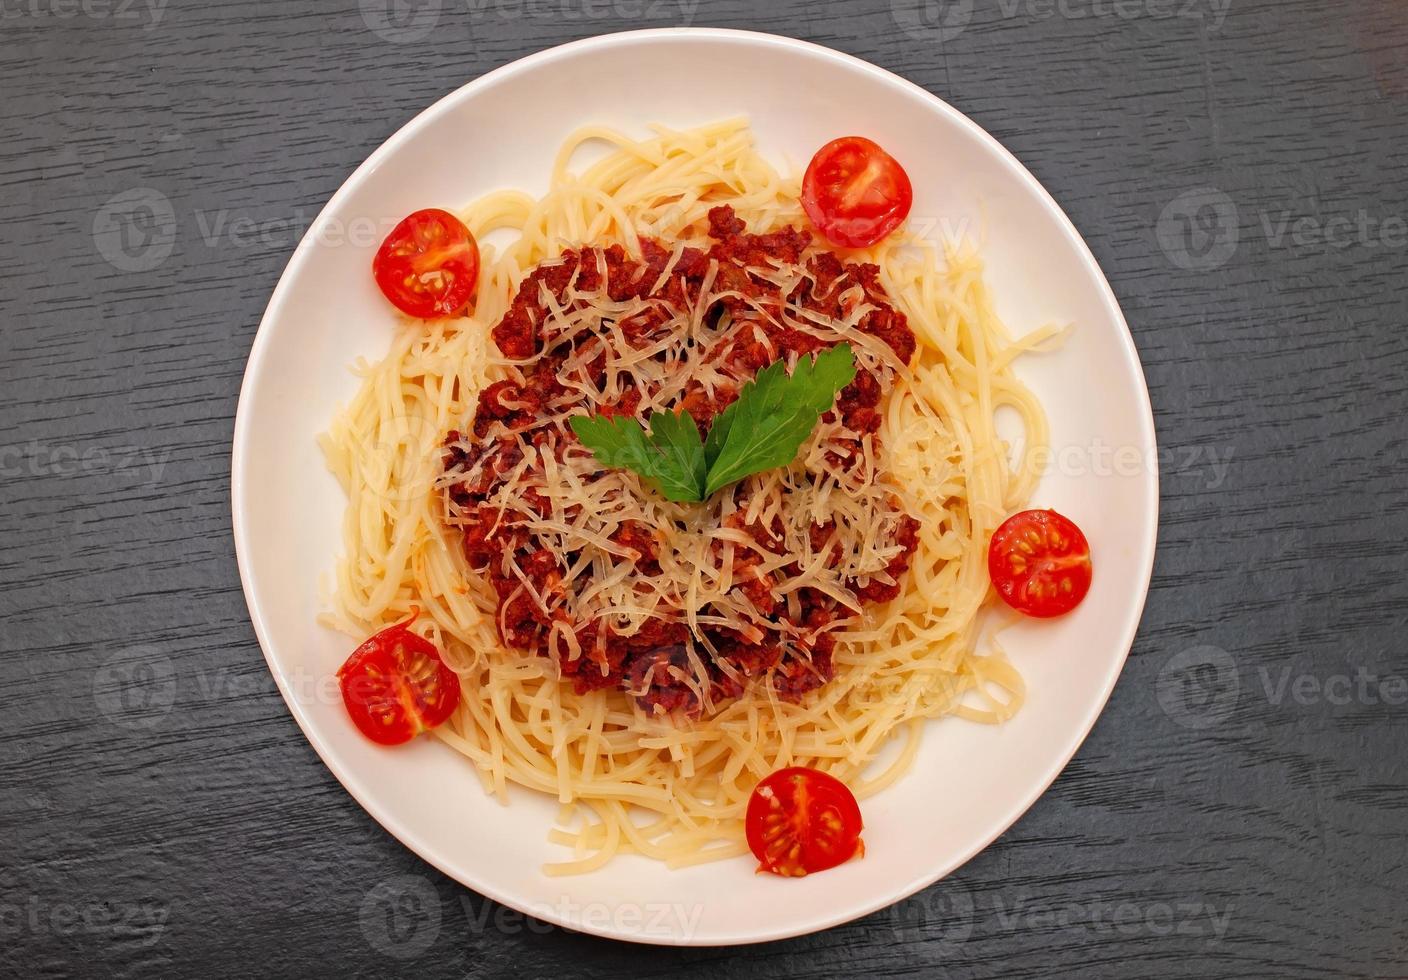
column 1241, row 809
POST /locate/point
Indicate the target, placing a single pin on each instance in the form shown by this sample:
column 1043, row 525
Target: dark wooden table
column 1240, row 810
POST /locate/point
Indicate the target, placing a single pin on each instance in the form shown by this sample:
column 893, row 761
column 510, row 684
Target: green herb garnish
column 774, row 414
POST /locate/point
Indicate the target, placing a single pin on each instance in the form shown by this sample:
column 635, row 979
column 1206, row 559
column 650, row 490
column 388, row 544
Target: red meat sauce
column 795, row 650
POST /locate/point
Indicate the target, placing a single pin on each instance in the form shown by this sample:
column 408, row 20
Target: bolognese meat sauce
column 683, row 605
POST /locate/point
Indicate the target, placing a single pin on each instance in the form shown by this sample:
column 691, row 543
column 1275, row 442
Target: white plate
column 971, row 782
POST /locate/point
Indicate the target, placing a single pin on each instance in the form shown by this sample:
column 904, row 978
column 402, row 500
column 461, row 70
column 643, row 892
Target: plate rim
column 258, row 351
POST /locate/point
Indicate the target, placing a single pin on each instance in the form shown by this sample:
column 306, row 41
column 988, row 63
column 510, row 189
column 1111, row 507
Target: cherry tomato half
column 856, row 193
column 395, row 686
column 429, row 265
column 802, row 820
column 1040, row 563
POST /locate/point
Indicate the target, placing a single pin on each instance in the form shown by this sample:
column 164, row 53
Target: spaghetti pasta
column 629, row 782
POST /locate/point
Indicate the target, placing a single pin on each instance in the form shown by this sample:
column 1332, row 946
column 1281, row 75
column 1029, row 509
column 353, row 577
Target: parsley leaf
column 774, row 414
column 676, row 436
column 671, row 456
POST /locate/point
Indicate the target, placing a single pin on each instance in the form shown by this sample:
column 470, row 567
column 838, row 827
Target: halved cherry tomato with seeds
column 429, row 265
column 855, row 193
column 1040, row 563
column 395, row 686
column 800, row 821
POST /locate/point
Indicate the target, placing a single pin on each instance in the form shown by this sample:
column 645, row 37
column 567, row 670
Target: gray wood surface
column 1241, row 809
